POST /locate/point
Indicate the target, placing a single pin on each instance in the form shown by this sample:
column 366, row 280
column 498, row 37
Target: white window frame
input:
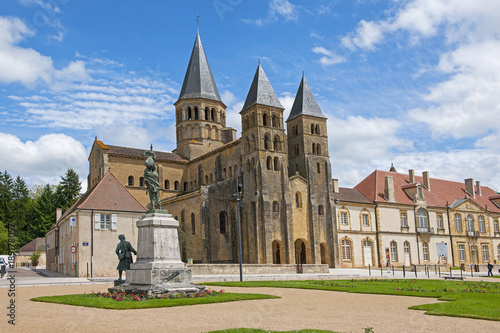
column 346, row 249
column 458, row 222
column 482, row 225
column 105, row 221
column 422, row 220
column 461, row 251
column 495, row 224
column 404, row 219
column 440, row 222
column 394, row 251
column 486, row 253
column 366, row 220
column 470, row 223
column 344, row 218
column 425, row 251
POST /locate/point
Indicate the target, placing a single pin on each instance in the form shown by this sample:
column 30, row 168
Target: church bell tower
column 199, row 112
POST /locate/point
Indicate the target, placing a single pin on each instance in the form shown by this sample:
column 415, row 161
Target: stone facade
column 286, row 195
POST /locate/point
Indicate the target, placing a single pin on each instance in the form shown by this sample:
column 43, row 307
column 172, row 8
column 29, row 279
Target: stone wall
column 234, row 269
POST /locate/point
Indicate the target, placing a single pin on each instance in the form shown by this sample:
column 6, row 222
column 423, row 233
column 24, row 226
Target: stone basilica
column 287, row 206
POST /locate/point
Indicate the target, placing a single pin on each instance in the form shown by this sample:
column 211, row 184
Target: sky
column 415, row 83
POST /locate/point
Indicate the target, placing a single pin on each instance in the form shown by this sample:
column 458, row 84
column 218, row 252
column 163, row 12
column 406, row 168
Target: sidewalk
column 25, row 277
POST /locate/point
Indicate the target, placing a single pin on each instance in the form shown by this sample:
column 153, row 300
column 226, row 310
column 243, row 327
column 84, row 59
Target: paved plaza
column 296, row 309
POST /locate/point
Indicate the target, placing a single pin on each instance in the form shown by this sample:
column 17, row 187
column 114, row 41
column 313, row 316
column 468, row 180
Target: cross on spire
column 197, row 21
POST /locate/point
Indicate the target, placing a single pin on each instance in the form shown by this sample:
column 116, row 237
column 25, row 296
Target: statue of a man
column 151, row 179
column 124, row 252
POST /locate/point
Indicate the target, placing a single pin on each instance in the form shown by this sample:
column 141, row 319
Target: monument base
column 173, row 286
column 159, row 269
column 153, row 281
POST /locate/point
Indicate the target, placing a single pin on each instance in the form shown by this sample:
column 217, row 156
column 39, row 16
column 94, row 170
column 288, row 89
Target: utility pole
column 238, row 196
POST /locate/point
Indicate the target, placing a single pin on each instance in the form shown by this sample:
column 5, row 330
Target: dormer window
column 420, row 192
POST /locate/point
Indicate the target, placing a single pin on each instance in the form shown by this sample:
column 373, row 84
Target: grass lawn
column 254, row 330
column 94, row 301
column 480, row 300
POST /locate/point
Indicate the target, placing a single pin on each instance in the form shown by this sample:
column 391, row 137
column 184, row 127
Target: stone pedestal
column 159, row 268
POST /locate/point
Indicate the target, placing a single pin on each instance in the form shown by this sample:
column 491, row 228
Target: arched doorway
column 276, row 252
column 300, row 252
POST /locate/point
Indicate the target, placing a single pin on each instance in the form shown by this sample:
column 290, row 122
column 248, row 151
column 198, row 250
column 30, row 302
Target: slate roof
column 305, row 103
column 37, row 244
column 199, row 81
column 350, row 195
column 261, row 92
column 441, row 191
column 134, row 152
column 108, row 194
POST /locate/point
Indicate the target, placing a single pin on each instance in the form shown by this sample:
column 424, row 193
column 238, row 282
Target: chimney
column 335, row 184
column 469, row 187
column 427, row 181
column 389, row 189
column 412, row 175
column 478, row 187
column 58, row 213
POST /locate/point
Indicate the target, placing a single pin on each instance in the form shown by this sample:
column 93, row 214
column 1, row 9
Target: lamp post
column 237, row 195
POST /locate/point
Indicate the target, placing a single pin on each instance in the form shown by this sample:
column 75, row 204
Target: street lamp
column 238, row 196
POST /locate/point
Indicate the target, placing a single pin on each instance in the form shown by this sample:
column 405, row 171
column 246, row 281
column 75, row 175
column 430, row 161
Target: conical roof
column 261, row 91
column 305, row 103
column 199, row 81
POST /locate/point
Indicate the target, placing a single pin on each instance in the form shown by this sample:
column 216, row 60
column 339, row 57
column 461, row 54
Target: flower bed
column 180, row 295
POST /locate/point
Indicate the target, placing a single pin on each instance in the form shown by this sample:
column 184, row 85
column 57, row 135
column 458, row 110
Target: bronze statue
column 124, row 251
column 151, row 179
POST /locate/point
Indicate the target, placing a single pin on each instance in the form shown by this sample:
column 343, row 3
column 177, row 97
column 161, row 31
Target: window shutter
column 114, row 222
column 97, row 221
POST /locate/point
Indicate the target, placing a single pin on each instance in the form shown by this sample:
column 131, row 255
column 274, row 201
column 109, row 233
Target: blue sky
column 413, row 82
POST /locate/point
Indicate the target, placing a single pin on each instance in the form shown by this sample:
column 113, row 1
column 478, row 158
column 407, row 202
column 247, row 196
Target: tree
column 21, row 206
column 4, row 239
column 44, row 211
column 6, row 185
column 68, row 190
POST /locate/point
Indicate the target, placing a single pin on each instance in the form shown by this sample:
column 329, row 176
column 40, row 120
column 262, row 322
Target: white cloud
column 286, row 99
column 44, row 160
column 367, row 34
column 357, row 139
column 27, row 66
column 454, row 165
column 46, row 5
column 329, row 58
column 465, row 20
column 127, row 136
column 277, row 8
column 468, row 103
column 99, row 104
column 234, row 106
column 283, row 8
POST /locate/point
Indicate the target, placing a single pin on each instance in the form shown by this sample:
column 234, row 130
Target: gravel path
column 297, row 309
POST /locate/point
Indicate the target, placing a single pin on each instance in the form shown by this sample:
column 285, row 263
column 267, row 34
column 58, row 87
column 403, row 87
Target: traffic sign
column 73, row 249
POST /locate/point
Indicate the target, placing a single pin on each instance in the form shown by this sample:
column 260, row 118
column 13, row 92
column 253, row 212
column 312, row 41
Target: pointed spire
column 305, row 103
column 199, row 81
column 261, row 91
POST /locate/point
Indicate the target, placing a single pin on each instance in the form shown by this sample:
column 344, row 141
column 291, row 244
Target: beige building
column 24, row 253
column 417, row 220
column 83, row 241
